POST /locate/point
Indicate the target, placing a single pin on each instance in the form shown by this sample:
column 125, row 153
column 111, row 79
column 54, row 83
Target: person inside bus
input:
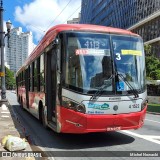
column 99, row 78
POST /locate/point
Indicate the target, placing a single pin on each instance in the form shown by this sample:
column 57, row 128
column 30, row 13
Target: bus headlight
column 144, row 103
column 70, row 104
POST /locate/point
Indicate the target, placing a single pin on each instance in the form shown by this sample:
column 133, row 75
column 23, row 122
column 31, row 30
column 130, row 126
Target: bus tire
column 18, row 99
column 21, row 103
column 44, row 121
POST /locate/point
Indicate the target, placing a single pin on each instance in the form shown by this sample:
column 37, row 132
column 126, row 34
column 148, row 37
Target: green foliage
column 10, row 80
column 148, row 50
column 152, row 64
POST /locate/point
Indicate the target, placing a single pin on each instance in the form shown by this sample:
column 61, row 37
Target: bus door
column 51, row 85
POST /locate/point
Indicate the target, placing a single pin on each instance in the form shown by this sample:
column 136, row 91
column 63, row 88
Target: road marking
column 5, row 112
column 146, row 137
column 4, row 107
column 3, row 116
column 155, row 137
column 152, row 121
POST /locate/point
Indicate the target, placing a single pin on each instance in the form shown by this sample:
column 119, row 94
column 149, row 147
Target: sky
column 38, row 16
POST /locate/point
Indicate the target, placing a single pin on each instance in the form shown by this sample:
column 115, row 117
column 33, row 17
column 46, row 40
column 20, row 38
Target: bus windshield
column 93, row 58
column 129, row 62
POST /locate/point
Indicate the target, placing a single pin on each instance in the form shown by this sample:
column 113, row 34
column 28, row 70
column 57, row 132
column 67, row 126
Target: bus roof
column 52, row 32
column 88, row 27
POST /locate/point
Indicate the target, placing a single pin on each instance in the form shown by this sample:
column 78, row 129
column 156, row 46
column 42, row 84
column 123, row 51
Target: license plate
column 113, row 128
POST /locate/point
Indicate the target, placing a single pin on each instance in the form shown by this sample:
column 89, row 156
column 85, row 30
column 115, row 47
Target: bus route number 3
column 118, row 56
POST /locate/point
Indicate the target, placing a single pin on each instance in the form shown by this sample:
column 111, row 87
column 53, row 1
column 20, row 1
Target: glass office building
column 139, row 16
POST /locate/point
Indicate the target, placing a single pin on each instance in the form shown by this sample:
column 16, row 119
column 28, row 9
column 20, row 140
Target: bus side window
column 24, row 78
column 30, row 84
column 28, row 78
column 32, row 76
column 35, row 76
column 38, row 74
column 42, row 73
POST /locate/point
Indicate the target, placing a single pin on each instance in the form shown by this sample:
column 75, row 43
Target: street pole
column 3, row 85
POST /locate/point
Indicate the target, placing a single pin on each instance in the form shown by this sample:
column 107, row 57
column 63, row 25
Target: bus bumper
column 75, row 122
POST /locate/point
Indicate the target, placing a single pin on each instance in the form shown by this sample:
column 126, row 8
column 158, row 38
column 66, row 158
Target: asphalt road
column 144, row 139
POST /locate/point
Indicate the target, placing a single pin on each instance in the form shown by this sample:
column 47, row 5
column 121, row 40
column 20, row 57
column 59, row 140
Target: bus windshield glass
column 129, row 62
column 92, row 58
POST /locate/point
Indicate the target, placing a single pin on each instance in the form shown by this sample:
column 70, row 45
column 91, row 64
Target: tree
column 152, row 64
column 148, row 50
column 10, row 79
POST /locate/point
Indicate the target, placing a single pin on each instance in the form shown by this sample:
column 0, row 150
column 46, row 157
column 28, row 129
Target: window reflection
column 88, row 61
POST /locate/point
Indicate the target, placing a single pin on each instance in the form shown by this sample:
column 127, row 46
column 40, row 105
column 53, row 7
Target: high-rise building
column 20, row 46
column 139, row 16
column 74, row 20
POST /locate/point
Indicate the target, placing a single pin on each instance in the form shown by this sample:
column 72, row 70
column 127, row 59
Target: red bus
column 85, row 78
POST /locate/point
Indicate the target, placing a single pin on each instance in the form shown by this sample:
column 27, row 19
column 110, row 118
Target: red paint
column 76, row 122
column 98, row 123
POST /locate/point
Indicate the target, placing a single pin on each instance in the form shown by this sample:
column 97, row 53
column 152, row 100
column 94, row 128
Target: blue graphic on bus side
column 104, row 106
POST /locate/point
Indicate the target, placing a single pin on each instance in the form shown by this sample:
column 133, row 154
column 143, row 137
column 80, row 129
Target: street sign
column 1, row 74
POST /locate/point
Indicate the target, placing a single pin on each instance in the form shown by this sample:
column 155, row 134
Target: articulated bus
column 85, row 78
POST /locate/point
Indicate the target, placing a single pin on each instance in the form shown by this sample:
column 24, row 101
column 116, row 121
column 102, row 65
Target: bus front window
column 129, row 61
column 93, row 58
column 88, row 61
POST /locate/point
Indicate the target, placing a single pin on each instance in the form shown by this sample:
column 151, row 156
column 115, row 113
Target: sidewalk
column 10, row 126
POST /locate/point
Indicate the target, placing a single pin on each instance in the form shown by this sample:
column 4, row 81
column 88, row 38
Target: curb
column 20, row 128
column 21, row 131
column 24, row 132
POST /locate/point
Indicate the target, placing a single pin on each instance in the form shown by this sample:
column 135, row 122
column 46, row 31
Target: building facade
column 74, row 20
column 20, row 46
column 139, row 16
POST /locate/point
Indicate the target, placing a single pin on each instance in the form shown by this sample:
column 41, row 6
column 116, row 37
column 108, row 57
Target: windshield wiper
column 117, row 75
column 106, row 84
column 134, row 91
